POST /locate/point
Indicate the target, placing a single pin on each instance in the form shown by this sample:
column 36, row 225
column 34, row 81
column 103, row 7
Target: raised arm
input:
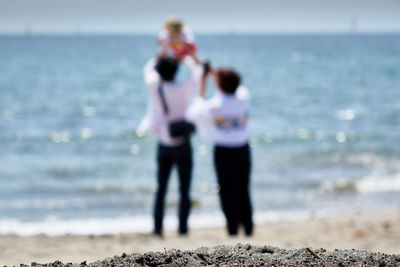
column 164, row 50
column 195, row 81
column 149, row 71
column 198, row 111
column 203, row 86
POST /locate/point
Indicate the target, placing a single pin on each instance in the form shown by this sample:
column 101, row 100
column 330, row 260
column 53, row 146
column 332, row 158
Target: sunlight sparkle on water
column 253, row 142
column 347, row 114
column 135, row 149
column 341, row 137
column 86, row 133
column 303, row 133
column 60, row 137
column 267, row 138
column 203, row 150
column 88, row 111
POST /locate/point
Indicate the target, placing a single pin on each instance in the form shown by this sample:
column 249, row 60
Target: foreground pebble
column 244, row 255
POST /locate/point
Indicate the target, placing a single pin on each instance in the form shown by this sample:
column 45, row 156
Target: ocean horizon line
column 199, row 33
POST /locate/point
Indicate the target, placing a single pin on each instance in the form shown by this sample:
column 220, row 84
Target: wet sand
column 370, row 231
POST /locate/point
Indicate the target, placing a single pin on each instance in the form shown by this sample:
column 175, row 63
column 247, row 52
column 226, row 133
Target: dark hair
column 167, row 67
column 228, row 80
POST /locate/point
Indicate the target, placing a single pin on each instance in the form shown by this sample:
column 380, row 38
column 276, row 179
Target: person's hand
column 207, row 68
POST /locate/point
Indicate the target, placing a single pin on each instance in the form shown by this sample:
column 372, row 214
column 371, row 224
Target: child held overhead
column 177, row 37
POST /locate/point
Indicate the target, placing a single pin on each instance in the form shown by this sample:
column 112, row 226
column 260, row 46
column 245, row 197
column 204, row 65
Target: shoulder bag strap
column 163, row 100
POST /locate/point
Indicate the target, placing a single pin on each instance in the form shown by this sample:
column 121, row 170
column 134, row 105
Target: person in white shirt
column 169, row 100
column 223, row 121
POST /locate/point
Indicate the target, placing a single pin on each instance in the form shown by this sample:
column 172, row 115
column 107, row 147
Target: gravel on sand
column 244, row 255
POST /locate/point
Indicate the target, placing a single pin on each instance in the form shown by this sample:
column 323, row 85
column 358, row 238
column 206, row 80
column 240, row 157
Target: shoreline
column 376, row 231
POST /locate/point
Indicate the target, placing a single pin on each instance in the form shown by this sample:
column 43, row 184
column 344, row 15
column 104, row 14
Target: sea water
column 325, row 130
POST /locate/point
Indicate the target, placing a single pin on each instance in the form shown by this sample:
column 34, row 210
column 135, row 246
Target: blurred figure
column 222, row 120
column 169, row 100
column 177, row 37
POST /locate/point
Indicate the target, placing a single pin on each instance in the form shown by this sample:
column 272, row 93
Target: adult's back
column 169, row 100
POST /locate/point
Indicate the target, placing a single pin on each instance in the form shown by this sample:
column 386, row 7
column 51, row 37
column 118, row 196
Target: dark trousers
column 167, row 157
column 233, row 166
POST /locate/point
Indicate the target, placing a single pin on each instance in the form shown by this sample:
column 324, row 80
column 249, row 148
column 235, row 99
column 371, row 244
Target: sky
column 204, row 16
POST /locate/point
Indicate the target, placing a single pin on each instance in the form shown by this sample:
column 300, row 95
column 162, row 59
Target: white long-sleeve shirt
column 223, row 119
column 177, row 95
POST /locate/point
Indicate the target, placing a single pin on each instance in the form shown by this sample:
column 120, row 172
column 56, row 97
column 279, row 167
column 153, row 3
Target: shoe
column 183, row 232
column 158, row 233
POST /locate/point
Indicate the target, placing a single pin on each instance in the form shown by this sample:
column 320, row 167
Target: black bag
column 180, row 128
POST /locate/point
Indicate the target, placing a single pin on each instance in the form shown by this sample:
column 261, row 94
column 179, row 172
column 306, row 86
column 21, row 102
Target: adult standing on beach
column 222, row 120
column 169, row 100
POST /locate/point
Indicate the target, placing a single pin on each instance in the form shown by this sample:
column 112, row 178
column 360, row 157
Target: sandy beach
column 371, row 231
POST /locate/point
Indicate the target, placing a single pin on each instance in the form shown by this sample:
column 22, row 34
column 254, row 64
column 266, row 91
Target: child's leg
column 192, row 51
column 195, row 58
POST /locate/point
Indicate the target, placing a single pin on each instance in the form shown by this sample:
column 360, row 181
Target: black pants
column 233, row 166
column 167, row 157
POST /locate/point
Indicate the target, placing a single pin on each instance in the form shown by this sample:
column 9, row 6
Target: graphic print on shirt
column 231, row 123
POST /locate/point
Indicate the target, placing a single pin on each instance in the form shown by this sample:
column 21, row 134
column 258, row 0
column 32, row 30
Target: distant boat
column 27, row 30
column 354, row 26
